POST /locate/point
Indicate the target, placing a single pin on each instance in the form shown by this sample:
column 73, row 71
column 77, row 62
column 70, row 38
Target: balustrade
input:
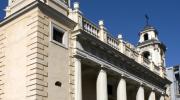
column 126, row 48
column 113, row 42
column 90, row 28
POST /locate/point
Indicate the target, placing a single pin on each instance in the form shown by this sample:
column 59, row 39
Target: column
column 161, row 98
column 101, row 85
column 78, row 79
column 152, row 95
column 140, row 93
column 121, row 90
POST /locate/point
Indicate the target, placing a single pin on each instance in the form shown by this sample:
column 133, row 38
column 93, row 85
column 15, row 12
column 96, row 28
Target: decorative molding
column 51, row 12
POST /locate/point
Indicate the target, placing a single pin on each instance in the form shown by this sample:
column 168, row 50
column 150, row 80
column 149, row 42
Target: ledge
column 45, row 9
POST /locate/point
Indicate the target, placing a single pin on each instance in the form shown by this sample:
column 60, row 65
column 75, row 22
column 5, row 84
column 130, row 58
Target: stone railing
column 124, row 47
column 129, row 50
column 90, row 28
column 113, row 42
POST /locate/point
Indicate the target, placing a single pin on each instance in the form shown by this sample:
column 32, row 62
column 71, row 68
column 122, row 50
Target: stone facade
column 50, row 51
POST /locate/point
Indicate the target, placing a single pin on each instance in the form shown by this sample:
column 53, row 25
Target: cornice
column 45, row 9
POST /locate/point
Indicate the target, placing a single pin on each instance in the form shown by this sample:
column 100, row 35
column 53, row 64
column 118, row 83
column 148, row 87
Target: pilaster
column 2, row 63
column 37, row 56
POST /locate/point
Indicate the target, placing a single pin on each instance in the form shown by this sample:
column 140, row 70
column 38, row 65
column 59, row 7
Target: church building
column 51, row 51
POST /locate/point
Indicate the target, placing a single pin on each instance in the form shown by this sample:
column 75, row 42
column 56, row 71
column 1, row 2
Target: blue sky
column 127, row 17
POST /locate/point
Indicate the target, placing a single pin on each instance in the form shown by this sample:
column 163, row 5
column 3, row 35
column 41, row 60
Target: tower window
column 57, row 35
column 146, row 55
column 146, row 37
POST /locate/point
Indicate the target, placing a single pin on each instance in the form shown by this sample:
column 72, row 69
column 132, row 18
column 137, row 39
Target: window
column 146, row 37
column 146, row 54
column 58, row 35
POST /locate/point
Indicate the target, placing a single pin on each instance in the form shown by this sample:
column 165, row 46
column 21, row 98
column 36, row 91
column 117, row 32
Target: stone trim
column 2, row 63
column 45, row 9
column 37, row 56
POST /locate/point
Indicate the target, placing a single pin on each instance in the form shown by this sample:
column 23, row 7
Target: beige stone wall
column 58, row 67
column 25, row 64
column 30, row 63
column 2, row 62
column 14, row 62
column 19, row 4
column 59, row 6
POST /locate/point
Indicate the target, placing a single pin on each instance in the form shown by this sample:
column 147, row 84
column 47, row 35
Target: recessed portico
column 102, row 83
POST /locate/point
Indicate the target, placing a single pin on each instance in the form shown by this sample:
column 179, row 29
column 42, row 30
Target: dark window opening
column 110, row 90
column 58, row 84
column 146, row 37
column 58, row 35
column 146, row 55
column 177, row 77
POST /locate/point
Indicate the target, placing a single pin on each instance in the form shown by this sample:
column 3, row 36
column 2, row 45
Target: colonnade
column 102, row 89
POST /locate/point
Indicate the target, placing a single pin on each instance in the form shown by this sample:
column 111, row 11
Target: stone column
column 140, row 93
column 121, row 90
column 78, row 79
column 152, row 95
column 101, row 85
column 162, row 96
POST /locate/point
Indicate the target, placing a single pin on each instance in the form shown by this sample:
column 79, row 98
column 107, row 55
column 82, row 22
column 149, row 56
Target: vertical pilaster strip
column 78, row 80
column 140, row 93
column 101, row 85
column 121, row 90
column 37, row 56
column 2, row 63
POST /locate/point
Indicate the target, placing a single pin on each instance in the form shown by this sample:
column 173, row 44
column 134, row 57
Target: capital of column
column 124, row 76
column 153, row 89
column 141, row 84
column 104, row 67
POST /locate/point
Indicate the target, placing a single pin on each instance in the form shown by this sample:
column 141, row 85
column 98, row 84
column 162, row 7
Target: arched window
column 146, row 54
column 146, row 37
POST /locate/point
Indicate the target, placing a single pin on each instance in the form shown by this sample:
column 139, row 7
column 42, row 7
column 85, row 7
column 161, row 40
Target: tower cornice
column 42, row 6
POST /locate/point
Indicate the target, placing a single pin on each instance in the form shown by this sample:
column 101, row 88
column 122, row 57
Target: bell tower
column 150, row 46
